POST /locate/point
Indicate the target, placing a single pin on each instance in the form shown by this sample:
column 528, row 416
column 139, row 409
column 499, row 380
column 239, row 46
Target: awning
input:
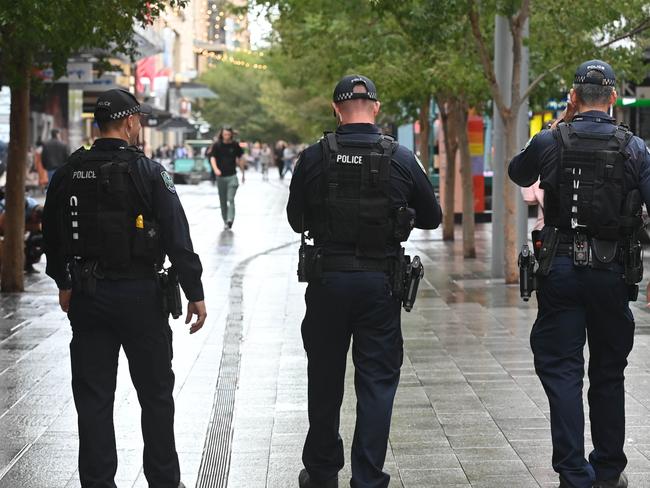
column 196, row 90
column 176, row 124
column 157, row 118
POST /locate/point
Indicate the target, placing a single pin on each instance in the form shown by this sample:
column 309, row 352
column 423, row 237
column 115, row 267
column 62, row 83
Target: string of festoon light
column 226, row 58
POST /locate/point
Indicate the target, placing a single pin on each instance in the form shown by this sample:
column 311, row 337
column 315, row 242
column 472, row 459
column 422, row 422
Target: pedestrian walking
column 266, row 159
column 255, row 155
column 288, row 158
column 279, row 152
column 55, row 153
column 375, row 192
column 111, row 215
column 225, row 156
column 595, row 174
column 38, row 165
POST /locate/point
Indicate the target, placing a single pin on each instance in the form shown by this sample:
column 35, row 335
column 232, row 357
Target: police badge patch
column 168, row 180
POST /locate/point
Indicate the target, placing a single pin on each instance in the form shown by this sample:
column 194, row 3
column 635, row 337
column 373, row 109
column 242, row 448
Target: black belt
column 353, row 263
column 566, row 249
column 137, row 270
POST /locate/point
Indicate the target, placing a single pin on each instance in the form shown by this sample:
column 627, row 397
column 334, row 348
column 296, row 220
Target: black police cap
column 608, row 79
column 119, row 103
column 345, row 89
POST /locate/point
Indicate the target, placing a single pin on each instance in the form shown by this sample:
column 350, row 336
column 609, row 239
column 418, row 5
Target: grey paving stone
column 469, row 410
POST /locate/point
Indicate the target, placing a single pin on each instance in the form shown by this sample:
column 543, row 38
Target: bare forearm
column 213, row 163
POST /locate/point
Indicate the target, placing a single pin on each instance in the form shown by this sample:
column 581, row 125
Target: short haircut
column 591, row 94
column 108, row 125
column 54, row 133
column 356, row 105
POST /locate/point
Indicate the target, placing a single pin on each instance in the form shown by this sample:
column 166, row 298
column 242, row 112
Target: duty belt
column 353, row 263
column 565, row 248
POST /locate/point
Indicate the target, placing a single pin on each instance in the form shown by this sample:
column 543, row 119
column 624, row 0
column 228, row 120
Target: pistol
column 172, row 304
column 414, row 275
column 527, row 282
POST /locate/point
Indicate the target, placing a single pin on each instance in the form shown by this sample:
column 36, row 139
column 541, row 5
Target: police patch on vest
column 169, row 182
column 83, row 175
column 349, row 159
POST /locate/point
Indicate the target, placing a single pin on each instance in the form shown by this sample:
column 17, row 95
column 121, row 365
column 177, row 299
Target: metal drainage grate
column 215, row 462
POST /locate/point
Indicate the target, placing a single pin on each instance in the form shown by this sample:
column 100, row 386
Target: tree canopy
column 251, row 101
column 39, row 33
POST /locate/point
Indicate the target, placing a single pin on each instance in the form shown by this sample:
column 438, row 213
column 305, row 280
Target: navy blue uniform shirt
column 167, row 209
column 409, row 184
column 542, row 152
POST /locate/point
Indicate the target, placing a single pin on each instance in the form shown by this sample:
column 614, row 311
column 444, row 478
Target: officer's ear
column 613, row 97
column 375, row 108
column 334, row 111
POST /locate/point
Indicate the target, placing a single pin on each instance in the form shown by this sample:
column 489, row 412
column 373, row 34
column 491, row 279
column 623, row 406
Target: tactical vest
column 105, row 218
column 587, row 191
column 354, row 205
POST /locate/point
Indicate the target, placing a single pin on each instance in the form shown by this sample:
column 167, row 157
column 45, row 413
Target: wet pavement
column 469, row 410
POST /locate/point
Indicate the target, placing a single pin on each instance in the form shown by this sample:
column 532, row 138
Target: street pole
column 503, row 70
column 522, row 136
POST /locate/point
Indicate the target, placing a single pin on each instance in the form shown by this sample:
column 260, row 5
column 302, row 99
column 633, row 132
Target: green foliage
column 573, row 42
column 397, row 44
column 412, row 48
column 250, row 101
column 49, row 32
column 317, row 42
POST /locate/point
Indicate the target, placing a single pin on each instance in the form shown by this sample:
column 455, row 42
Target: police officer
column 358, row 193
column 595, row 174
column 111, row 214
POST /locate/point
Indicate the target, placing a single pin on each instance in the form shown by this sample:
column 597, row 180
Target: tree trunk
column 447, row 115
column 467, row 180
column 510, row 199
column 13, row 254
column 425, row 131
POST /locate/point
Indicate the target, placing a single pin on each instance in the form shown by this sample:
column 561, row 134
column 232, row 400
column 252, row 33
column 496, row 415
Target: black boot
column 620, row 482
column 304, row 481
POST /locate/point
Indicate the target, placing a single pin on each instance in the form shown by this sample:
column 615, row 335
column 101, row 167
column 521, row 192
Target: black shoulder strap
column 77, row 157
column 565, row 133
column 330, row 140
column 124, row 158
column 623, row 136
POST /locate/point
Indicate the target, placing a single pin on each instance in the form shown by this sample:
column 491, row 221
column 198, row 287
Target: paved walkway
column 469, row 411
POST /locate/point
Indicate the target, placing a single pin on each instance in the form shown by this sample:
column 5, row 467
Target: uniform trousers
column 578, row 305
column 342, row 306
column 128, row 314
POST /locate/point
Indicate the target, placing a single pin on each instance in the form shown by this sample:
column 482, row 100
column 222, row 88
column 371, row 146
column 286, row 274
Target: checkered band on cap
column 342, row 97
column 604, row 81
column 125, row 113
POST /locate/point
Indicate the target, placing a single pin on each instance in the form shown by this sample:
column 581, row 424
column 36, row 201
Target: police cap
column 345, row 89
column 608, row 79
column 119, row 103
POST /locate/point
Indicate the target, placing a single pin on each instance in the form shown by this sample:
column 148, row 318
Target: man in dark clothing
column 55, row 154
column 589, row 168
column 346, row 191
column 225, row 156
column 111, row 215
